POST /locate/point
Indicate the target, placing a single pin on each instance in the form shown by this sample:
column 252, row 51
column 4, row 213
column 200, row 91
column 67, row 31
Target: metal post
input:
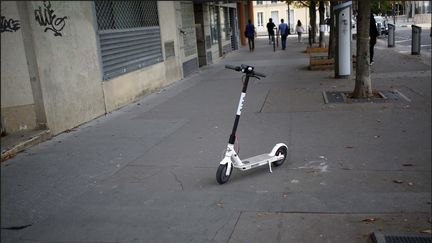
column 242, row 22
column 343, row 63
column 415, row 40
column 391, row 35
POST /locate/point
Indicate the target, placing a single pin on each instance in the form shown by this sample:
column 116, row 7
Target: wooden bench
column 318, row 60
column 317, row 50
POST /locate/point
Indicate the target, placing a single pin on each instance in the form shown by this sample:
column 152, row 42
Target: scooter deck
column 258, row 160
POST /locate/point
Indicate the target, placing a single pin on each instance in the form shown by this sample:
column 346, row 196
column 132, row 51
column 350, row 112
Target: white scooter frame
column 231, row 159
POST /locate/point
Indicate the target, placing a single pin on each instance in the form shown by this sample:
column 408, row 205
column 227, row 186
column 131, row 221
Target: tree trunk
column 332, row 38
column 321, row 23
column 363, row 85
column 312, row 14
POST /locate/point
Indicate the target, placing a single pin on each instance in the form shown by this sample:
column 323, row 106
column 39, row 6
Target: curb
column 36, row 139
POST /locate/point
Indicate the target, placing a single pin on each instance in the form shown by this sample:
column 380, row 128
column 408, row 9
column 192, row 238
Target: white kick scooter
column 278, row 154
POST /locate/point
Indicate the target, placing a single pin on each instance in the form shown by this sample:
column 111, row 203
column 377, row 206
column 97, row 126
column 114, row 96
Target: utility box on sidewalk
column 391, row 35
column 415, row 40
column 343, row 63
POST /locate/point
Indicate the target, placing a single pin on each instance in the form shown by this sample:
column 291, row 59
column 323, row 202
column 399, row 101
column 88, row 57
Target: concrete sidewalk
column 146, row 173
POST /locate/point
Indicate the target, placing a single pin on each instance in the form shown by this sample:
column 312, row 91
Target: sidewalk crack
column 235, row 225
column 265, row 101
column 177, row 180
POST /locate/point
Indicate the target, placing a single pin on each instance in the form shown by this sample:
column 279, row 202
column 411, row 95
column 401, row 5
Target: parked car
column 353, row 22
column 381, row 24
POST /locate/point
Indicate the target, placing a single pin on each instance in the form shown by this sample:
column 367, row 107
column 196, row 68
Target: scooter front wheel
column 221, row 176
column 281, row 151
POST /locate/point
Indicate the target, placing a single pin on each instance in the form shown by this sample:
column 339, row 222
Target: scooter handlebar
column 239, row 69
column 259, row 74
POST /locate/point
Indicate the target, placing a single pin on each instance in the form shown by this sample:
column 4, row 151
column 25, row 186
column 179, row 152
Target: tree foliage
column 298, row 4
column 380, row 6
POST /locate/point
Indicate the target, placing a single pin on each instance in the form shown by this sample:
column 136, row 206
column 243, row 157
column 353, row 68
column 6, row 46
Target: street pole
column 289, row 24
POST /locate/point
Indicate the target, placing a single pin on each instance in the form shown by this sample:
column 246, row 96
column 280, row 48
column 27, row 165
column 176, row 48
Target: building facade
column 64, row 63
column 277, row 10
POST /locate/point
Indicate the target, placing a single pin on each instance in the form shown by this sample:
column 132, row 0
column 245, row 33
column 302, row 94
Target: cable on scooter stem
column 238, row 143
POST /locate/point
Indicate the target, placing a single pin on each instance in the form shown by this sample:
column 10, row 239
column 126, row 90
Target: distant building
column 263, row 10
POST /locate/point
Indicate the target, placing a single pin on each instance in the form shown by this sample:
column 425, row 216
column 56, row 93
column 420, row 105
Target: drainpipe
column 251, row 12
column 242, row 21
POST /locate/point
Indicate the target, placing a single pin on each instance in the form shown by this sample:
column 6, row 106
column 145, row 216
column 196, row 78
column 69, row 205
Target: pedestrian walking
column 270, row 29
column 250, row 34
column 299, row 30
column 283, row 30
column 373, row 34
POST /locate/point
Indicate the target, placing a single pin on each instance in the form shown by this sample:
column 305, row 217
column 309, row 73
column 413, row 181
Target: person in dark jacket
column 250, row 34
column 270, row 30
column 373, row 34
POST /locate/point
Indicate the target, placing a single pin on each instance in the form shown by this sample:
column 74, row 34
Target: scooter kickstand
column 270, row 167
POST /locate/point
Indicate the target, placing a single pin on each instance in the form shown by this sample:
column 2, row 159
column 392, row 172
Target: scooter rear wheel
column 221, row 176
column 281, row 150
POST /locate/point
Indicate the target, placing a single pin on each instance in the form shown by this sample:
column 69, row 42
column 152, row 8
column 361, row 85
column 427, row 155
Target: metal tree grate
column 400, row 237
column 115, row 15
column 384, row 96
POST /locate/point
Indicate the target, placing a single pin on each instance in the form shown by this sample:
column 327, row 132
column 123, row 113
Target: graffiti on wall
column 9, row 25
column 45, row 17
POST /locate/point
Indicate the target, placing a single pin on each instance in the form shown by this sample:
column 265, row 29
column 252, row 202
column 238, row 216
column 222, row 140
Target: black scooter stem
column 240, row 106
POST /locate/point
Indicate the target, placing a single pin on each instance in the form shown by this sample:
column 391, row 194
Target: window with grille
column 188, row 28
column 224, row 21
column 129, row 35
column 213, row 25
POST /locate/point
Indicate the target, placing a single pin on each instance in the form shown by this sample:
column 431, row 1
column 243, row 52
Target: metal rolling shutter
column 129, row 36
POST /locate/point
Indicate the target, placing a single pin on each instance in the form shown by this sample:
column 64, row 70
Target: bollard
column 415, row 40
column 391, row 35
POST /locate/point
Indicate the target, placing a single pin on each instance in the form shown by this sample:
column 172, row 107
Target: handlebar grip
column 230, row 67
column 260, row 74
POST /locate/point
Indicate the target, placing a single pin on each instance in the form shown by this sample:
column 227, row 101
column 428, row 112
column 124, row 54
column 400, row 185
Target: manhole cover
column 378, row 237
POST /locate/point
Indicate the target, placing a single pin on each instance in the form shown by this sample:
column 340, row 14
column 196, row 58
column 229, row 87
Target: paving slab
column 310, row 227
